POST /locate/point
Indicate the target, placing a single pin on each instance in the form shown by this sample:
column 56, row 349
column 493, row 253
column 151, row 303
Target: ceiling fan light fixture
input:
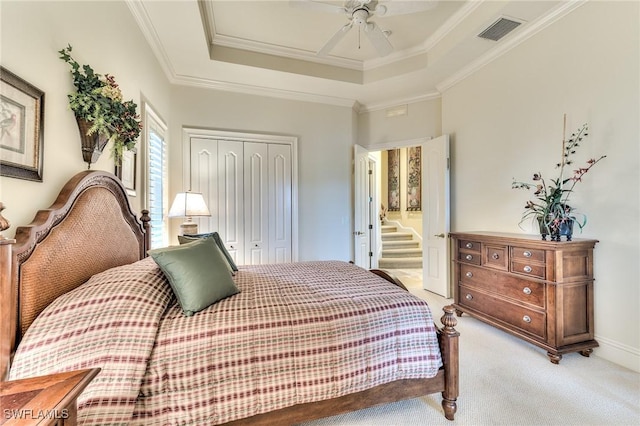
column 359, row 12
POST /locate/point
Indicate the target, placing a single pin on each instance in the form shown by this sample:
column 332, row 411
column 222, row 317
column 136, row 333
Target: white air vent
column 499, row 29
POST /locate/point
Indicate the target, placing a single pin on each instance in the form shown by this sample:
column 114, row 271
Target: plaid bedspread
column 298, row 332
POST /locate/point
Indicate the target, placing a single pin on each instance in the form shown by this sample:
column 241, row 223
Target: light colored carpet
column 505, row 381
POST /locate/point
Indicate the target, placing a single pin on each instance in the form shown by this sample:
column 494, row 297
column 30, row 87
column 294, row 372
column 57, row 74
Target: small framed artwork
column 393, row 180
column 21, row 128
column 414, row 179
column 126, row 172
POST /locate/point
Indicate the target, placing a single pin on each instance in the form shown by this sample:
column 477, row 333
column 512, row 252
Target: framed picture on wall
column 127, row 171
column 393, row 180
column 414, row 179
column 21, row 128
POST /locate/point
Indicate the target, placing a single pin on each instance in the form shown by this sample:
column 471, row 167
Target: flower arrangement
column 551, row 209
column 98, row 100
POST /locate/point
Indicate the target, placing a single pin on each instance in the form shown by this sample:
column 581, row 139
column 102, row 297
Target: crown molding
column 398, row 101
column 141, row 17
column 519, row 37
column 283, row 51
column 247, row 89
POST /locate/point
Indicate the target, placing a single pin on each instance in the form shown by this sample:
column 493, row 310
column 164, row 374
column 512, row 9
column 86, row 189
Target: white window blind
column 157, row 192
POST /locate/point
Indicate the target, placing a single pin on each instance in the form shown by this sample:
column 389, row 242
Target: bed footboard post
column 450, row 359
column 146, row 225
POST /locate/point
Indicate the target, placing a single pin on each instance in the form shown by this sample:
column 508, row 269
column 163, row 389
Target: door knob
column 441, row 235
column 358, row 233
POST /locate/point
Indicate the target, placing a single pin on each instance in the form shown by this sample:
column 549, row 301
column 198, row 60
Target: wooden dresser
column 540, row 291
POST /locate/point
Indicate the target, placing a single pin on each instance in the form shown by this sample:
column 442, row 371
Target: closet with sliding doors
column 249, row 184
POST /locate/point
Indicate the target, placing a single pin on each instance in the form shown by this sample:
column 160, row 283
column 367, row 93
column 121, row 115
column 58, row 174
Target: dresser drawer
column 523, row 253
column 469, row 257
column 514, row 316
column 528, row 268
column 503, row 285
column 469, row 245
column 496, row 257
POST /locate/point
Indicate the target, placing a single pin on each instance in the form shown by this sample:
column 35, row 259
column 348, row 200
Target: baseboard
column 618, row 353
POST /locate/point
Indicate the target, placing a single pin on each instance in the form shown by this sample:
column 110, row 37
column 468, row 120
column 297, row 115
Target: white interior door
column 435, row 217
column 361, row 207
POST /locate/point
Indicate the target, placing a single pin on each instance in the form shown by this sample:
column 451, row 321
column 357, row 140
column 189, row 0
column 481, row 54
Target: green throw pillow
column 198, row 273
column 216, row 237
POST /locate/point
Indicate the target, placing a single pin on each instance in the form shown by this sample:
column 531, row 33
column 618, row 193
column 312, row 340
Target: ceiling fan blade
column 328, row 47
column 391, row 8
column 378, row 39
column 317, row 6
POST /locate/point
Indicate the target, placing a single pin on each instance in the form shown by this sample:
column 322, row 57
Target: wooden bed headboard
column 88, row 229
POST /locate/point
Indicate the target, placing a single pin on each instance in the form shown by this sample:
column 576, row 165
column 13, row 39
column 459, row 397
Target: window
column 157, row 191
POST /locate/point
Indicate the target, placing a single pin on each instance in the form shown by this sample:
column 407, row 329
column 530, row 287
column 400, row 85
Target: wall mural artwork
column 414, row 178
column 393, row 160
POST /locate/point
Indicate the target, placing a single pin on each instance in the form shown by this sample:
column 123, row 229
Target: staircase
column 399, row 249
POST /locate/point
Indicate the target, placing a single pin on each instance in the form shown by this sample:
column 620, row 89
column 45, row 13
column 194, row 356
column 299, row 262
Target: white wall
column 103, row 35
column 325, row 139
column 506, row 122
column 423, row 119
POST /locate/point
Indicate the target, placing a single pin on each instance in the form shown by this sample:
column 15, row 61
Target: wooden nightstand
column 45, row 400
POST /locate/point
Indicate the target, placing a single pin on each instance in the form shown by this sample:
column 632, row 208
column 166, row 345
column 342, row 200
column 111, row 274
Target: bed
column 299, row 341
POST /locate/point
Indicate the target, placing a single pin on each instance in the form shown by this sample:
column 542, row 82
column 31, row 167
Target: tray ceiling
column 269, row 47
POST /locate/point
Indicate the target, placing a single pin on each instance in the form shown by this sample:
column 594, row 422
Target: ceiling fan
column 358, row 13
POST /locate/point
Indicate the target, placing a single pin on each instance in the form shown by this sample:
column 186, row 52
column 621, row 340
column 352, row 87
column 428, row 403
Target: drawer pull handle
column 526, row 318
column 469, row 257
column 469, row 274
column 527, row 269
column 468, row 297
column 469, row 245
column 495, row 256
column 527, row 253
column 526, row 290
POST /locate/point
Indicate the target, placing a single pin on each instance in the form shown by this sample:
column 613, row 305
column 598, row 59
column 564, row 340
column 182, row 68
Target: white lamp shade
column 187, row 204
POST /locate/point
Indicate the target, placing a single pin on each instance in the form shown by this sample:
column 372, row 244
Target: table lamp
column 188, row 204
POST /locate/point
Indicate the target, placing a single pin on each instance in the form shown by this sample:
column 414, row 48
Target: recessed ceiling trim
column 247, row 89
column 394, row 57
column 287, row 52
column 529, row 30
column 450, row 24
column 395, row 102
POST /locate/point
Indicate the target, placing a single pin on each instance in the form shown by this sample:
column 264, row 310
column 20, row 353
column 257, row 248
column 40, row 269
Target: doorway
column 432, row 205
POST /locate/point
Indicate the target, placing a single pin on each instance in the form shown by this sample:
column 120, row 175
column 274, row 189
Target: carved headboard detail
column 88, row 229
